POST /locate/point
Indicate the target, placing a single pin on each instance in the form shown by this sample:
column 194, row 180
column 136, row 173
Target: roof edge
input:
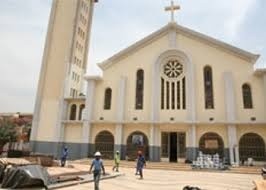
column 246, row 55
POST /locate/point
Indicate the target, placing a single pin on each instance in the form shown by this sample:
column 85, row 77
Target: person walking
column 64, row 156
column 97, row 163
column 117, row 161
column 141, row 162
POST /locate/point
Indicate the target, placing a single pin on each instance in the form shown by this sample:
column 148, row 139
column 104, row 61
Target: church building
column 170, row 95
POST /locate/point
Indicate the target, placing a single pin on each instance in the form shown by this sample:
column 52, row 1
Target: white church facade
column 171, row 94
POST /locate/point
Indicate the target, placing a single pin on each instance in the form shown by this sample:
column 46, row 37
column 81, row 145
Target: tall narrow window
column 173, row 95
column 247, row 96
column 167, row 96
column 184, row 92
column 139, row 89
column 178, row 95
column 73, row 111
column 208, row 88
column 107, row 99
column 162, row 93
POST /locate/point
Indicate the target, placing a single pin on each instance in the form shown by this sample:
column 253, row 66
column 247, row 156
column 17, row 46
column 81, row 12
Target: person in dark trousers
column 97, row 163
column 141, row 162
column 117, row 161
column 64, row 156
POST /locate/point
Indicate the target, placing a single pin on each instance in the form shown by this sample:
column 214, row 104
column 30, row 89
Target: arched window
column 211, row 143
column 139, row 89
column 251, row 145
column 73, row 110
column 107, row 99
column 173, row 85
column 137, row 141
column 247, row 96
column 208, row 88
column 81, row 108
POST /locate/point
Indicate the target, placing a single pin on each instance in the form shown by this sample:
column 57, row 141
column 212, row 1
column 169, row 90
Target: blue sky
column 116, row 25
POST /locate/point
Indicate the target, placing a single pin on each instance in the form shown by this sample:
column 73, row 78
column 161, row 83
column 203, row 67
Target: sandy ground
column 173, row 180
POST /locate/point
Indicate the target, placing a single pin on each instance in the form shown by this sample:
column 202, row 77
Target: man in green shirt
column 117, row 161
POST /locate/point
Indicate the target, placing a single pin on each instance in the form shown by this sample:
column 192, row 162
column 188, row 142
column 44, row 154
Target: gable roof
column 186, row 32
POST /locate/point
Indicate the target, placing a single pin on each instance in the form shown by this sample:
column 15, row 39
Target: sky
column 116, row 25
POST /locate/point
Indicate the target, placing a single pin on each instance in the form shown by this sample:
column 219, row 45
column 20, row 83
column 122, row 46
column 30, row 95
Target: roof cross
column 172, row 8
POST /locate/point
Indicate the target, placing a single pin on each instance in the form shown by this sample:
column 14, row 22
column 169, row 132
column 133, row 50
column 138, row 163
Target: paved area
column 174, row 180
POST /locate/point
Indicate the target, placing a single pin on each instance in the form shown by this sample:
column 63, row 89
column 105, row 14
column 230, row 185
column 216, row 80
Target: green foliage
column 8, row 131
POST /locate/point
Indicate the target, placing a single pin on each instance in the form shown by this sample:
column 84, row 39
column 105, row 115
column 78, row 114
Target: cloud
column 238, row 13
column 22, row 34
column 116, row 25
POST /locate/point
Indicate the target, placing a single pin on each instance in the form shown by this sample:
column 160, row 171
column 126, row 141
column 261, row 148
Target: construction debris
column 26, row 177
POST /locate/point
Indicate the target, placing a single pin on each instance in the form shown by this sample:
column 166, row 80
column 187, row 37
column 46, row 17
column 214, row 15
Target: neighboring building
column 22, row 123
column 63, row 67
column 171, row 94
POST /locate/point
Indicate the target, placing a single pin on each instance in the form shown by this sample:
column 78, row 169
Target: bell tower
column 64, row 64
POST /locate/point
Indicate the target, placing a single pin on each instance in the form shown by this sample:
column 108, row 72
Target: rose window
column 173, row 69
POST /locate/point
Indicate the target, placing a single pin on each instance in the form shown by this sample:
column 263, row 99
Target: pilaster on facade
column 191, row 92
column 91, row 83
column 261, row 72
column 230, row 105
column 121, row 99
column 230, row 102
column 89, row 107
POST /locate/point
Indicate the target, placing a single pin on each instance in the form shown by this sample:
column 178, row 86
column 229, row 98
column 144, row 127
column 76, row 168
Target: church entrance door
column 173, row 147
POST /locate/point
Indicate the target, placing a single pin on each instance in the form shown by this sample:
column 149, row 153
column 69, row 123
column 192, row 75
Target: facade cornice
column 80, row 122
column 93, row 77
column 179, row 122
column 260, row 71
column 248, row 56
column 81, row 99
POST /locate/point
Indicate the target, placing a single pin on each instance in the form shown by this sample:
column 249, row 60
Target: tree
column 8, row 132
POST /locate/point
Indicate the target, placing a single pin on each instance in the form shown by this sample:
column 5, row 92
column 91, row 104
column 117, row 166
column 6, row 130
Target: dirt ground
column 173, row 180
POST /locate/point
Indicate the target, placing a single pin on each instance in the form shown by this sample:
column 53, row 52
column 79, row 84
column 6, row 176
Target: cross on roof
column 172, row 8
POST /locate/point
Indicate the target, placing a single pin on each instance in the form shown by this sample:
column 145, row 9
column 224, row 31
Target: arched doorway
column 104, row 142
column 137, row 141
column 252, row 145
column 211, row 143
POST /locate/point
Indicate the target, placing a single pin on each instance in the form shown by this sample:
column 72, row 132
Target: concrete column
column 154, row 144
column 230, row 105
column 86, row 129
column 191, row 147
column 232, row 144
column 151, row 142
column 237, row 155
column 119, row 140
